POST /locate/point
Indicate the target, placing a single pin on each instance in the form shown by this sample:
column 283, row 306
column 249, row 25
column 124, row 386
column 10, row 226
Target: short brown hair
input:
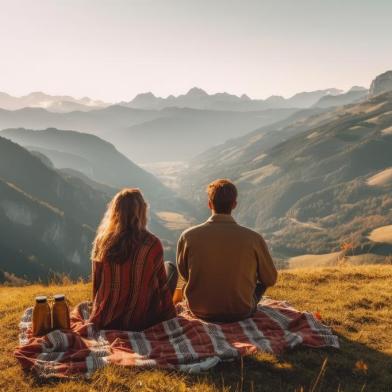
column 222, row 194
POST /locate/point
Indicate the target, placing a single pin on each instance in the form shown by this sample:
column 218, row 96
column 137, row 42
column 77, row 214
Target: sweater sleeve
column 266, row 270
column 166, row 301
column 182, row 258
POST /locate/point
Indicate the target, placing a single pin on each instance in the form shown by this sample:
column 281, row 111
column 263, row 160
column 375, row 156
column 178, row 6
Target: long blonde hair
column 122, row 228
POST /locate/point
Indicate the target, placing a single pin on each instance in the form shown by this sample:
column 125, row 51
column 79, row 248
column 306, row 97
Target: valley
column 313, row 172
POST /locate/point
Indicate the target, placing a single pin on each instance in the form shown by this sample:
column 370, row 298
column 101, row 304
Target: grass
column 382, row 234
column 174, row 220
column 354, row 301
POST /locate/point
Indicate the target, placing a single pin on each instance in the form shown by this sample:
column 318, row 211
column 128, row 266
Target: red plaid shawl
column 182, row 343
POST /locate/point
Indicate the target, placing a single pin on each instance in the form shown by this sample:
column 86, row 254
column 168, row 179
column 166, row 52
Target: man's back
column 221, row 263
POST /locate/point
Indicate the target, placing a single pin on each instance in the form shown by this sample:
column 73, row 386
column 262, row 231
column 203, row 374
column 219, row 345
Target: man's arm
column 182, row 261
column 266, row 270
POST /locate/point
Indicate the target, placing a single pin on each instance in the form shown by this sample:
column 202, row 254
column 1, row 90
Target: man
column 226, row 267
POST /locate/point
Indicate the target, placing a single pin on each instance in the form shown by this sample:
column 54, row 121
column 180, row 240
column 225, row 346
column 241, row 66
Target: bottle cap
column 59, row 297
column 40, row 299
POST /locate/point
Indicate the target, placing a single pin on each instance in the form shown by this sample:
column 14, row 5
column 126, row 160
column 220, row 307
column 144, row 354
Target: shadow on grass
column 354, row 367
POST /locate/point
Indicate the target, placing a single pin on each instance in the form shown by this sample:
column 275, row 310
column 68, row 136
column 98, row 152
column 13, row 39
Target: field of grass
column 306, row 261
column 354, row 301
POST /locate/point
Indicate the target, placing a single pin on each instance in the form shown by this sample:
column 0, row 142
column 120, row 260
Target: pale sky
column 114, row 49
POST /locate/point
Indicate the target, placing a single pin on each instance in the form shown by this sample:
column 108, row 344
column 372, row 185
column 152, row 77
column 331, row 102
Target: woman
column 131, row 289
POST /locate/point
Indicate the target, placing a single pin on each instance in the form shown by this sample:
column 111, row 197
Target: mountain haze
column 196, row 98
column 49, row 208
column 351, row 96
column 149, row 135
column 308, row 185
column 55, row 103
column 93, row 156
column 47, row 220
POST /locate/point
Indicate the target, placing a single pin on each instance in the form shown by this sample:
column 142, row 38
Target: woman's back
column 134, row 294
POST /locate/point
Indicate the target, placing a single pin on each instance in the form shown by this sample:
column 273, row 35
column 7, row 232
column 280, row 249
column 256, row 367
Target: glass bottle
column 42, row 321
column 60, row 311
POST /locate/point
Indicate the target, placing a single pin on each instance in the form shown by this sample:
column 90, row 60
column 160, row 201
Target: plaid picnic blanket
column 183, row 343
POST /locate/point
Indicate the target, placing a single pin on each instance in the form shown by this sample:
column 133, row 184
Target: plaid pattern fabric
column 133, row 295
column 182, row 343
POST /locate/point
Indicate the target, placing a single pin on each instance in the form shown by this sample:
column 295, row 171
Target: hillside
column 354, row 301
column 303, row 185
column 137, row 133
column 180, row 134
column 93, row 156
column 38, row 240
column 96, row 162
column 47, row 220
column 351, row 96
column 30, row 174
column 48, row 217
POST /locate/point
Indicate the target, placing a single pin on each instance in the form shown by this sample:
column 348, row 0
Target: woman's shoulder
column 152, row 240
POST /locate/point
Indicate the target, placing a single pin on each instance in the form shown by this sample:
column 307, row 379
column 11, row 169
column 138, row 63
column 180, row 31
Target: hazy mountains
column 153, row 129
column 53, row 196
column 197, row 98
column 311, row 178
column 47, row 221
column 53, row 103
column 314, row 181
column 93, row 160
column 94, row 157
column 149, row 135
column 355, row 94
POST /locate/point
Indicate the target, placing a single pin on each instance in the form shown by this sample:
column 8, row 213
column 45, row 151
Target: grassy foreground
column 354, row 301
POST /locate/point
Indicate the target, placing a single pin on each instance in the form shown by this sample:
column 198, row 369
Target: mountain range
column 93, row 156
column 53, row 103
column 314, row 178
column 53, row 193
column 149, row 135
column 47, row 220
column 181, row 127
column 312, row 182
column 196, row 98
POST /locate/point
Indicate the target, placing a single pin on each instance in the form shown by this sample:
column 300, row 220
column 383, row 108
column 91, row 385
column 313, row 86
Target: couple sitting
column 226, row 267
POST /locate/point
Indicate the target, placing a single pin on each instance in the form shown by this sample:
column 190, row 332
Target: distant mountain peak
column 55, row 103
column 37, row 94
column 275, row 99
column 196, row 92
column 357, row 88
column 148, row 94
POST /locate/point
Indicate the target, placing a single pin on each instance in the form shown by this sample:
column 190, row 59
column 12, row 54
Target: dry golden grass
column 174, row 220
column 382, row 178
column 306, row 261
column 355, row 301
column 382, row 234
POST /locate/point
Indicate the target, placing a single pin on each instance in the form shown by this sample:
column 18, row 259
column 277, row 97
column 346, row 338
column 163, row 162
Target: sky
column 115, row 49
